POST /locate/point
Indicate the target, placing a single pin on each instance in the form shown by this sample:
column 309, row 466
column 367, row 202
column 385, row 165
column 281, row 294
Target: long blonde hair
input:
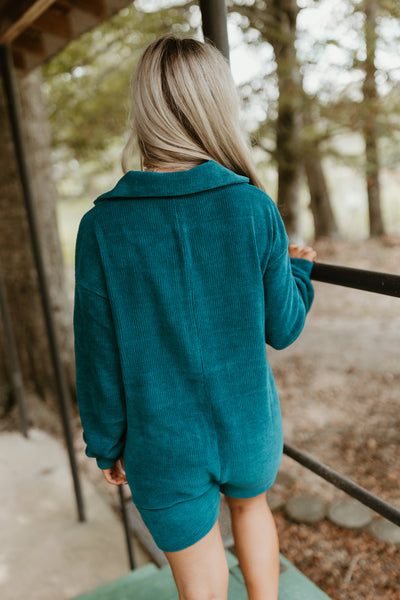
column 185, row 109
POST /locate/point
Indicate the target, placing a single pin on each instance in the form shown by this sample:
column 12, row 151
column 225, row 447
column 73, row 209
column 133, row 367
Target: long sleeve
column 288, row 290
column 99, row 386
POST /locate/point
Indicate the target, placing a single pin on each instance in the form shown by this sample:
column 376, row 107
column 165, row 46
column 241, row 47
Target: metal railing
column 358, row 279
column 369, row 281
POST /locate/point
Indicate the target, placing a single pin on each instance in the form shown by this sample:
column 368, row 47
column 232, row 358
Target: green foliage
column 332, row 59
column 87, row 85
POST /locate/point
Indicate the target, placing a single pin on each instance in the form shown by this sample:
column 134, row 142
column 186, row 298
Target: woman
column 183, row 274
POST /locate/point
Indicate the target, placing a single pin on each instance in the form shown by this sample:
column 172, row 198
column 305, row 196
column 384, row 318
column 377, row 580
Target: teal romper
column 181, row 279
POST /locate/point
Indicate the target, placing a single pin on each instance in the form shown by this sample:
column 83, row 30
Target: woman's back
column 182, row 277
column 176, row 261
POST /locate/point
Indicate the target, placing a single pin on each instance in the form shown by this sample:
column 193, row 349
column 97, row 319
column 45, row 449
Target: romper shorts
column 191, row 452
column 184, row 523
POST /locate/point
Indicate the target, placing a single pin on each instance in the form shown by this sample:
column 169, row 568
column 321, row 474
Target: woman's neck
column 172, row 168
column 154, row 170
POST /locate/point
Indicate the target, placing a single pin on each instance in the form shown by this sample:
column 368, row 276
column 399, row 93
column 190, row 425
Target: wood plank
column 236, row 590
column 79, row 23
column 93, row 7
column 150, row 583
column 55, row 21
column 293, row 585
column 231, row 559
column 30, row 41
column 18, row 59
column 158, row 585
column 17, row 16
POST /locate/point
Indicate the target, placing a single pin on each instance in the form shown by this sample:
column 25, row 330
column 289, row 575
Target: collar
column 141, row 184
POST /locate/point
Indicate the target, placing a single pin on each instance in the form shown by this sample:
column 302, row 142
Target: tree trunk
column 16, row 255
column 371, row 135
column 324, row 219
column 282, row 38
column 320, row 203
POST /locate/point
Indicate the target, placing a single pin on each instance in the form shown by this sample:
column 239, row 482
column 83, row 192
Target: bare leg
column 257, row 545
column 201, row 570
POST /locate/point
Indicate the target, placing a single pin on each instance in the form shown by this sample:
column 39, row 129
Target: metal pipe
column 352, row 489
column 13, row 360
column 20, row 153
column 126, row 528
column 359, row 279
column 214, row 23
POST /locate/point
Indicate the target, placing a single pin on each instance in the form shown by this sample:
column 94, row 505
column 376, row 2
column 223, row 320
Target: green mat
column 150, row 583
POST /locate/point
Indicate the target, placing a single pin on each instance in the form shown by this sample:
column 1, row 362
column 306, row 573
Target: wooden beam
column 18, row 59
column 96, row 8
column 30, row 41
column 17, row 16
column 55, row 21
column 28, row 53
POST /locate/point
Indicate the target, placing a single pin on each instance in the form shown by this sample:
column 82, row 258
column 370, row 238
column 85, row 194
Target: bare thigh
column 201, row 570
column 245, row 504
column 257, row 545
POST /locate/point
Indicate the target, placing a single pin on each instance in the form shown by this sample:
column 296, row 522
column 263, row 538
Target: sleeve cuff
column 302, row 264
column 103, row 463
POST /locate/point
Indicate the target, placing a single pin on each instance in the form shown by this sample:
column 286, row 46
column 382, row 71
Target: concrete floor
column 45, row 553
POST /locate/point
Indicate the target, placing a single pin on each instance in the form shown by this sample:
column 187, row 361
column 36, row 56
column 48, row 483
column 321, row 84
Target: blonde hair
column 185, row 109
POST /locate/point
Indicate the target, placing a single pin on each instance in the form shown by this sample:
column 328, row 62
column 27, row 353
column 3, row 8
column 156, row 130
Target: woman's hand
column 116, row 475
column 307, row 253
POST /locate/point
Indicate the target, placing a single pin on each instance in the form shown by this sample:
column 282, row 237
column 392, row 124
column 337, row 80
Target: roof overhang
column 38, row 29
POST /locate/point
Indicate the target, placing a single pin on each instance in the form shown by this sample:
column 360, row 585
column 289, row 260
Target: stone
column 385, row 531
column 284, row 479
column 275, row 500
column 350, row 514
column 303, row 508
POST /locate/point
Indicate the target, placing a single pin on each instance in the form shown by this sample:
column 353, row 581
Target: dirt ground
column 339, row 386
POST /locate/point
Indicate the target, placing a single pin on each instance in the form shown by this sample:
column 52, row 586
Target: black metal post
column 352, row 489
column 358, row 279
column 126, row 528
column 11, row 95
column 13, row 360
column 214, row 20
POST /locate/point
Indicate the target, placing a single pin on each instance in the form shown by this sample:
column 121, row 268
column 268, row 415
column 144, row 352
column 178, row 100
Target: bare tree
column 370, row 130
column 324, row 219
column 276, row 22
column 282, row 37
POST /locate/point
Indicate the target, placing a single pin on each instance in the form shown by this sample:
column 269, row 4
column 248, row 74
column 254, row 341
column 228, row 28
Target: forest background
column 319, row 87
column 319, row 84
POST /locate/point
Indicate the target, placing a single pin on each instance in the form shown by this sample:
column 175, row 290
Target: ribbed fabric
column 181, row 279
